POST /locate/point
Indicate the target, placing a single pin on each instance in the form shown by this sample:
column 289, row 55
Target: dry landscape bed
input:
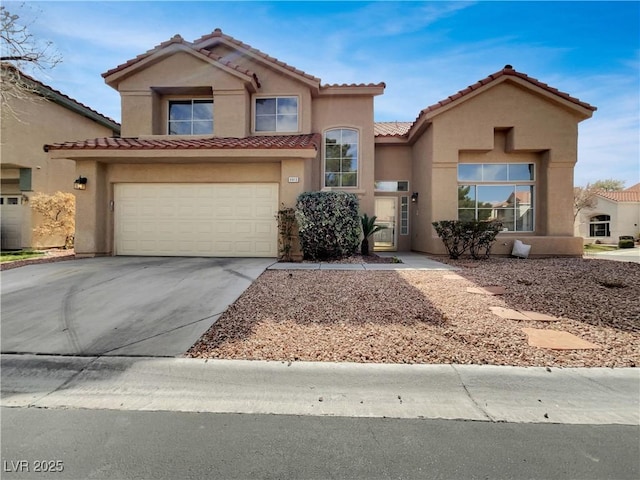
column 421, row 317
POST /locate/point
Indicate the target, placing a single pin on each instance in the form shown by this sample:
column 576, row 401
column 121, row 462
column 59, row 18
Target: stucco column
column 138, row 109
column 559, row 199
column 90, row 228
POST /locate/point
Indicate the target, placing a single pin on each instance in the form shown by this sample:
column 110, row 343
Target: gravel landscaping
column 421, row 317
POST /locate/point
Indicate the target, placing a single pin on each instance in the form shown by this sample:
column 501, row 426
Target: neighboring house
column 39, row 115
column 613, row 215
column 218, row 135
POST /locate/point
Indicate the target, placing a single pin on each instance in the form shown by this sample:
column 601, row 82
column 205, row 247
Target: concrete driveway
column 146, row 306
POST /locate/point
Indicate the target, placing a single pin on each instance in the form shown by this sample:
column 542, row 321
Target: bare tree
column 19, row 49
column 584, row 198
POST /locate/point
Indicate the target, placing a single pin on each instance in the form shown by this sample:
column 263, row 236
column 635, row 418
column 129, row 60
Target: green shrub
column 328, row 224
column 625, row 244
column 476, row 236
column 483, row 236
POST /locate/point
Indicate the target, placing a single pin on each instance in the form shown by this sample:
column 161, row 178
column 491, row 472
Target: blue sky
column 423, row 51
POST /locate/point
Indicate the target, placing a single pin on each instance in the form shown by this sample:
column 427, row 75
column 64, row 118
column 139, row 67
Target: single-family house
column 217, row 136
column 613, row 215
column 37, row 114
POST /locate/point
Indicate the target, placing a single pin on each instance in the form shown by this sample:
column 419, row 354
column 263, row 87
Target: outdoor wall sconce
column 414, row 197
column 80, row 183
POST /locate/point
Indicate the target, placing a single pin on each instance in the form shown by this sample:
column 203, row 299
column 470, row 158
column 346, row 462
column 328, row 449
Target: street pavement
column 109, row 444
column 471, row 392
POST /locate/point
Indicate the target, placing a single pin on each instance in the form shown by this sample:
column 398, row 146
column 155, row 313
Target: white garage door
column 199, row 220
column 11, row 213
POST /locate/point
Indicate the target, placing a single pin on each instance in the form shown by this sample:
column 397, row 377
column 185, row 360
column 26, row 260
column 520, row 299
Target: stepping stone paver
column 557, row 340
column 487, row 290
column 539, row 317
column 525, row 315
column 452, row 277
column 508, row 314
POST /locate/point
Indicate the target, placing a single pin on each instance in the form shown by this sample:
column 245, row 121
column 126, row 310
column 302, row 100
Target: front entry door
column 386, row 212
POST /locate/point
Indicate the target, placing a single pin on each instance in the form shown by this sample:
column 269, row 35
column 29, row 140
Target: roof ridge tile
column 301, row 141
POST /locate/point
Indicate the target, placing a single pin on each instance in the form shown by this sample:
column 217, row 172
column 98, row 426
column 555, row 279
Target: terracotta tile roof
column 391, row 129
column 54, row 94
column 278, row 142
column 352, row 85
column 508, row 70
column 217, row 33
column 631, row 194
column 178, row 40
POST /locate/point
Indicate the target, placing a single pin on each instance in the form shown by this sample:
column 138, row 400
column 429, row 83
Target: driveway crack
column 161, row 333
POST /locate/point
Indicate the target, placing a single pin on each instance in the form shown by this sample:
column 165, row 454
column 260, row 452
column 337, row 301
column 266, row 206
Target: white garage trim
column 196, row 219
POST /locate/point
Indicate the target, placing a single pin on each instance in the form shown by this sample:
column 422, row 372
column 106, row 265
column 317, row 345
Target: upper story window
column 277, row 114
column 497, row 191
column 190, row 117
column 341, row 158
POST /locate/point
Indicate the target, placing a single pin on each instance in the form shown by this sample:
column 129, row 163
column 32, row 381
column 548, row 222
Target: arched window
column 341, row 158
column 599, row 226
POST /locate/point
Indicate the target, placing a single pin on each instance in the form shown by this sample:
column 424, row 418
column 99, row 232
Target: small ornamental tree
column 58, row 212
column 328, row 224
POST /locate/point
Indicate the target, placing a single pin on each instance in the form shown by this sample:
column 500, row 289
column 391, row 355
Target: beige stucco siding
column 534, row 124
column 95, row 230
column 356, row 113
column 40, row 122
column 146, row 93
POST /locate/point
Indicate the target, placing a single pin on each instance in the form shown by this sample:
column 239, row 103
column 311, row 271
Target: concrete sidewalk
column 410, row 261
column 621, row 255
column 472, row 392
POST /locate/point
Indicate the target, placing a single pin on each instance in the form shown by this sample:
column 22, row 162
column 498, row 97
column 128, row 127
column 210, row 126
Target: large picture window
column 600, row 226
column 190, row 117
column 278, row 114
column 341, row 158
column 498, row 191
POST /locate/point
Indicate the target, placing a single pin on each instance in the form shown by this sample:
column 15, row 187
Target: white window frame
column 606, row 223
column 505, row 183
column 192, row 120
column 404, row 215
column 324, row 158
column 276, row 98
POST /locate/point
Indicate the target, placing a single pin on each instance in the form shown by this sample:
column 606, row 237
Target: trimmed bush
column 476, row 236
column 625, row 244
column 328, row 224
